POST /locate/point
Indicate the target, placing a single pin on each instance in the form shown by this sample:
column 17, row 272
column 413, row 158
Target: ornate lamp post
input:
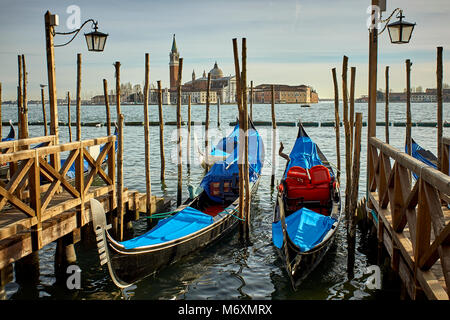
column 399, row 32
column 95, row 41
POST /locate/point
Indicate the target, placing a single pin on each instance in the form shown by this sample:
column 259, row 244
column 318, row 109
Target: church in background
column 222, row 88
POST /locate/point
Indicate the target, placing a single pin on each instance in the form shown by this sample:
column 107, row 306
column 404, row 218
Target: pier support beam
column 65, row 255
column 6, row 275
column 27, row 274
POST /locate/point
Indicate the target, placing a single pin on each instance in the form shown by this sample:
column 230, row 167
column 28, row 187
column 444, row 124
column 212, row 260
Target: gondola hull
column 132, row 265
column 299, row 264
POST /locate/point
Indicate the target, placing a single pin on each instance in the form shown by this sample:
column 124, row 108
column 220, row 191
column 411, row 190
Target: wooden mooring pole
column 44, row 113
column 386, row 110
column 251, row 100
column 119, row 211
column 218, row 112
column 274, row 137
column 439, row 108
column 120, row 202
column 241, row 136
column 78, row 98
column 245, row 131
column 351, row 227
column 337, row 124
column 148, row 187
column 179, row 148
column 161, row 132
column 188, row 143
column 408, row 111
column 352, row 105
column 348, row 151
column 19, row 97
column 108, row 115
column 208, row 86
column 24, row 119
column 69, row 125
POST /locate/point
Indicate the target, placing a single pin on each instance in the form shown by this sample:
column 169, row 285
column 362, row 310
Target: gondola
column 195, row 224
column 221, row 151
column 307, row 212
column 426, row 156
column 12, row 132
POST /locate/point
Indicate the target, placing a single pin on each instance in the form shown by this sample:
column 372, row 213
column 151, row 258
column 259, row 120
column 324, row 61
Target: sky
column 288, row 42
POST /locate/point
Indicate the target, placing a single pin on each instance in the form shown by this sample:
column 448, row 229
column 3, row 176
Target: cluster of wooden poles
column 353, row 128
column 244, row 188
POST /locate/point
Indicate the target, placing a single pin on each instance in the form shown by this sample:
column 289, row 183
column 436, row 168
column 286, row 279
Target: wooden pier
column 40, row 203
column 412, row 219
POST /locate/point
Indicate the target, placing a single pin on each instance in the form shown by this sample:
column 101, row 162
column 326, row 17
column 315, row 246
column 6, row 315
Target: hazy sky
column 290, row 41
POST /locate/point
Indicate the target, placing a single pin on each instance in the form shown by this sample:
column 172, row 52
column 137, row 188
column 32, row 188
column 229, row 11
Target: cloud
column 288, row 41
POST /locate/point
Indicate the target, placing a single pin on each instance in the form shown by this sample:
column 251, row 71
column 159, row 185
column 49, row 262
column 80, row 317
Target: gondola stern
column 101, row 228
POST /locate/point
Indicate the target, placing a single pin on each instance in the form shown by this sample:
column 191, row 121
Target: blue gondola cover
column 228, row 169
column 304, row 154
column 186, row 221
column 305, row 227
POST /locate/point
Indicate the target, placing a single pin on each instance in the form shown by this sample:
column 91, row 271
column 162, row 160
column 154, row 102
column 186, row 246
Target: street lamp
column 95, row 41
column 400, row 31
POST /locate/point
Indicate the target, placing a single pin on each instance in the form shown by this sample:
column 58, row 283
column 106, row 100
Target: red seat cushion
column 297, row 175
column 300, row 188
column 319, row 175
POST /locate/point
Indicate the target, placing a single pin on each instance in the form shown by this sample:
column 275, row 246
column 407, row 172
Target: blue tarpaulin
column 186, row 221
column 303, row 154
column 228, row 144
column 305, row 227
column 227, row 169
column 423, row 155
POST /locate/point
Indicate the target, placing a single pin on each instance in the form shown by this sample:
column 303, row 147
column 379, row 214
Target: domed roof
column 216, row 72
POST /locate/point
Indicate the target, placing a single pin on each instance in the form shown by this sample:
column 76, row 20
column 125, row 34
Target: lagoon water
column 228, row 269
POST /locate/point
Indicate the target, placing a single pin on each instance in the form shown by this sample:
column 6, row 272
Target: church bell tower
column 174, row 65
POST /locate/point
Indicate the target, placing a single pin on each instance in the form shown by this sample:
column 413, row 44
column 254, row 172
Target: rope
column 161, row 215
column 231, row 214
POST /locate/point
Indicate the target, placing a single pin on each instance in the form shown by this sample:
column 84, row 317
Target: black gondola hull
column 132, row 265
column 300, row 264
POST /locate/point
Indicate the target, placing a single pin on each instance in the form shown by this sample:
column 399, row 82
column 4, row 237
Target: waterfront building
column 285, row 94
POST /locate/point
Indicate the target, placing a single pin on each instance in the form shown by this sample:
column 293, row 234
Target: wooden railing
column 46, row 191
column 415, row 215
column 16, row 145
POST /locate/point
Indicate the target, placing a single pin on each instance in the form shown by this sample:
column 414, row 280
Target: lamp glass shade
column 96, row 40
column 400, row 31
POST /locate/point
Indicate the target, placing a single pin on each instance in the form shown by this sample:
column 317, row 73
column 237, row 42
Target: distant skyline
column 288, row 42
